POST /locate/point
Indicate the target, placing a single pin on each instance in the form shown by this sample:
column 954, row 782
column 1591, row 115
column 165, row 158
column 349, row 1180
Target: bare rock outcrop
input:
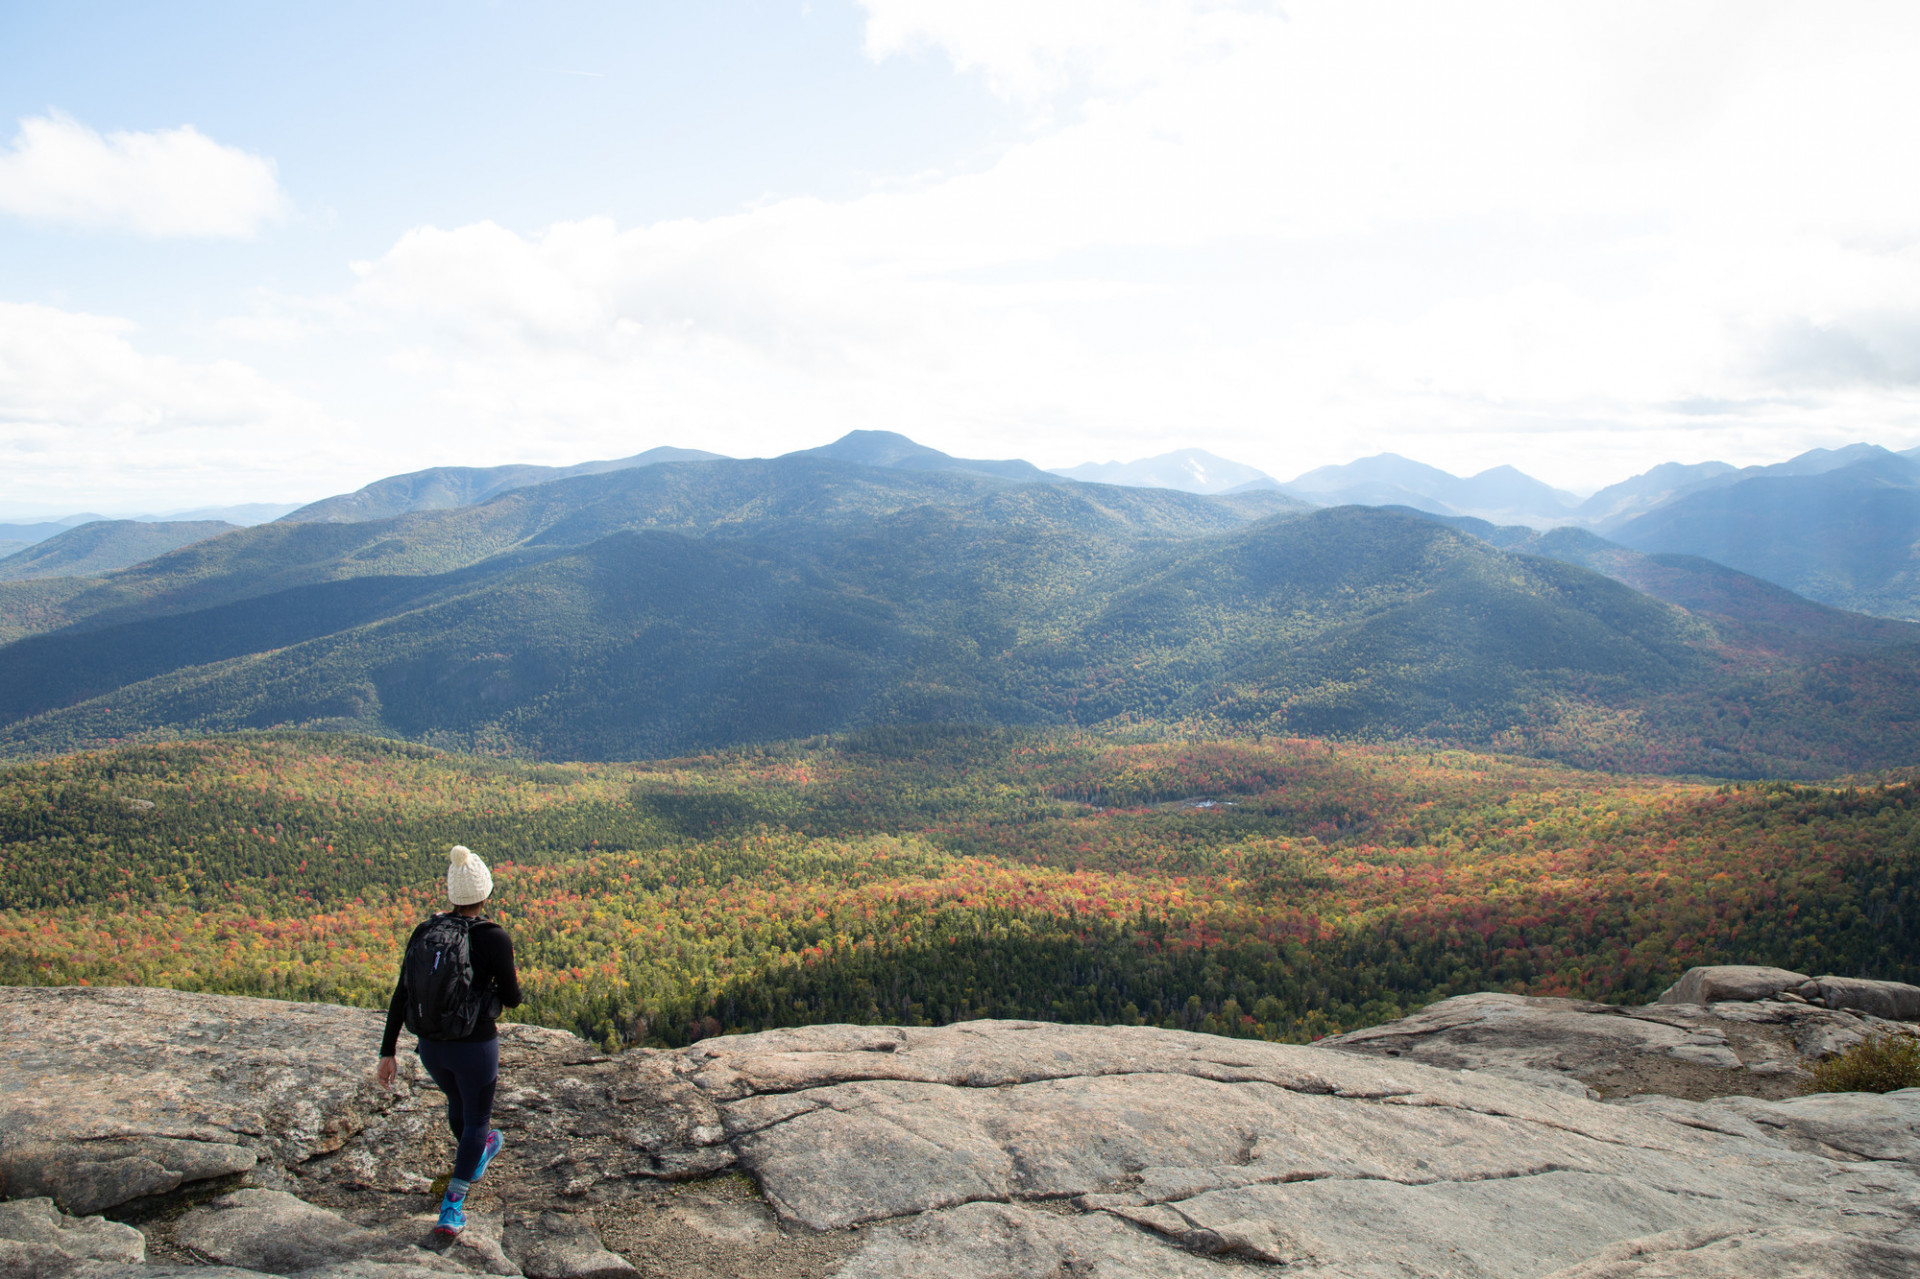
column 1487, row 1136
column 274, row 1232
column 1893, row 1000
column 1740, row 982
column 1753, row 1040
column 38, row 1241
column 553, row 1245
column 1889, row 1000
column 86, row 1175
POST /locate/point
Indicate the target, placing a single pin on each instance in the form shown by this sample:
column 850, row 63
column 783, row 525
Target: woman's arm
column 396, row 1017
column 390, row 1037
column 493, row 956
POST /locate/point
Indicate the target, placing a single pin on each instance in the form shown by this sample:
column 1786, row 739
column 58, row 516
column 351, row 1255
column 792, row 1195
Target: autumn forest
column 1279, row 888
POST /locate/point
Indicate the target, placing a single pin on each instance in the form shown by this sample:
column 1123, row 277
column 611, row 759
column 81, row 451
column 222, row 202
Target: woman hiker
column 456, row 977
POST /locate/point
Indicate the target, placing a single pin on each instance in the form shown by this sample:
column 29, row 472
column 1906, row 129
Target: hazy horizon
column 28, row 514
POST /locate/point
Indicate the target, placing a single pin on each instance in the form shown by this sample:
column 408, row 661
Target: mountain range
column 1392, row 480
column 1846, row 534
column 663, row 607
column 1839, row 526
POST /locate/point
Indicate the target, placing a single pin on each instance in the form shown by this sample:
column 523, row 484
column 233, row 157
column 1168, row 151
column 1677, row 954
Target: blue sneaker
column 453, row 1216
column 488, row 1151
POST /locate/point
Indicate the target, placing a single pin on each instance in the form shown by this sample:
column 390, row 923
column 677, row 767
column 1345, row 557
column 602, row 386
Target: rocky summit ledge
column 1490, row 1135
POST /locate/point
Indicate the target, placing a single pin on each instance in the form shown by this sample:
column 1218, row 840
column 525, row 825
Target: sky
column 270, row 252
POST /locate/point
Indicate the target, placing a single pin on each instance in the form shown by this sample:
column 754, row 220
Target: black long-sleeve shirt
column 492, row 952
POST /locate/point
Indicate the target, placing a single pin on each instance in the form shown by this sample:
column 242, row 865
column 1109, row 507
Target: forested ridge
column 1283, row 888
column 697, row 605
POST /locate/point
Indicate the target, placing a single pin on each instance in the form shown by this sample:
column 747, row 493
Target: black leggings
column 467, row 1073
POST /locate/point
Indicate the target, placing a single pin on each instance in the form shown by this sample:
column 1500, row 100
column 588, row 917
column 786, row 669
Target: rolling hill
column 1847, row 536
column 445, row 487
column 788, row 500
column 680, row 606
column 1764, row 617
column 795, row 602
column 105, row 546
column 38, row 531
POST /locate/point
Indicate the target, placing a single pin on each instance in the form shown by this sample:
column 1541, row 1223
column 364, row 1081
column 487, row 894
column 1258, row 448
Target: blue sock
column 457, row 1188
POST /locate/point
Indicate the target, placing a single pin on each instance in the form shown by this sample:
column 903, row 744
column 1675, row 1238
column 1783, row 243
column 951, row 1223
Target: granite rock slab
column 1891, row 1000
column 275, row 1233
column 1734, row 1047
column 38, row 1241
column 554, row 1245
column 1743, row 983
column 114, row 1095
column 1469, row 1140
column 1722, row 982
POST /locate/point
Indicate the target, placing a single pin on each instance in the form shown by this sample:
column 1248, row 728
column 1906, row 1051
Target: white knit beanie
column 468, row 880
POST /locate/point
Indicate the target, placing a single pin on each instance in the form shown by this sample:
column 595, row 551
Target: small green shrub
column 1878, row 1063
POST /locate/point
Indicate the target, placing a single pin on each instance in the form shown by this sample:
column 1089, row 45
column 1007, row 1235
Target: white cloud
column 1477, row 234
column 174, row 182
column 88, row 419
column 1029, row 51
column 1580, row 239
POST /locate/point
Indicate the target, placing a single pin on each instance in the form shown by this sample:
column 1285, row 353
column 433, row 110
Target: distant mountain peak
column 891, row 450
column 872, row 448
column 1638, row 494
column 1185, row 470
column 1388, row 479
column 1381, row 467
column 1823, row 461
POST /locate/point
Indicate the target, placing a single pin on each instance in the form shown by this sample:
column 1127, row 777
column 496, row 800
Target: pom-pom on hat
column 468, row 880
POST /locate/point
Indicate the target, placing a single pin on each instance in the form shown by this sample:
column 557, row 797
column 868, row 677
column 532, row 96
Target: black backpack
column 443, row 1002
